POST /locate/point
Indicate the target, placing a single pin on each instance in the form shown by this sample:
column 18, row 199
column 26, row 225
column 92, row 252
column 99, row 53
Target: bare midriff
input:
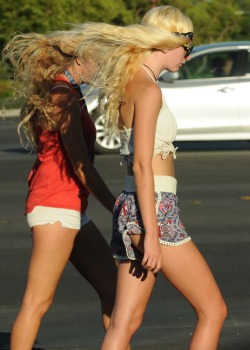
column 161, row 167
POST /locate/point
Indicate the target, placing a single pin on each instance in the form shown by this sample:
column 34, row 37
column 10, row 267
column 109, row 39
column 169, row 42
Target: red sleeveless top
column 52, row 181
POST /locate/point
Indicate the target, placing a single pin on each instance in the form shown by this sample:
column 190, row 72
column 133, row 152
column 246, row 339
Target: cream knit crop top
column 165, row 134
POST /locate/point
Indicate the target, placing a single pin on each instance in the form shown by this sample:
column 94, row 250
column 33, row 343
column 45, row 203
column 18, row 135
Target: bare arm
column 147, row 106
column 67, row 116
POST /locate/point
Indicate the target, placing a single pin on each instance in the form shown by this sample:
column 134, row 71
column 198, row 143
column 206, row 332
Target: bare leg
column 187, row 270
column 52, row 245
column 93, row 259
column 134, row 287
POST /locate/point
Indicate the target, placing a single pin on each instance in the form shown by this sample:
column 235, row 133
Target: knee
column 107, row 306
column 223, row 311
column 215, row 313
column 220, row 311
column 36, row 307
column 127, row 326
column 107, row 298
column 135, row 324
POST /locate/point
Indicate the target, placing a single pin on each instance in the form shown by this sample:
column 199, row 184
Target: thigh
column 134, row 287
column 52, row 245
column 187, row 270
column 92, row 257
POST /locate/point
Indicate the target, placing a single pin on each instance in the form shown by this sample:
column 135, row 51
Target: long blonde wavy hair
column 120, row 51
column 34, row 61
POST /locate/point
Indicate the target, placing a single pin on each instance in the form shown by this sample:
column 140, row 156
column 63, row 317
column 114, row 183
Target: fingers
column 152, row 263
column 152, row 254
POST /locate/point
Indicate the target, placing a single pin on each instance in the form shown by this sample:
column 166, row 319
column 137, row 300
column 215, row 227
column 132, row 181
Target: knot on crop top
column 165, row 134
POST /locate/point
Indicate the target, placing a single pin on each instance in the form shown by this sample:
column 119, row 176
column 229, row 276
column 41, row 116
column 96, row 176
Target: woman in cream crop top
column 147, row 232
column 165, row 134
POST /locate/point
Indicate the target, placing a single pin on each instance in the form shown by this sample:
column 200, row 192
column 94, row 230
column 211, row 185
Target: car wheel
column 105, row 144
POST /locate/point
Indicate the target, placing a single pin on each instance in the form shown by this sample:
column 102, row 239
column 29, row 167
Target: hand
column 152, row 253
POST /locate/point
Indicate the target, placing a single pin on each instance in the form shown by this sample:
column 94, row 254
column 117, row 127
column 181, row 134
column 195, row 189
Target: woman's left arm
column 67, row 115
column 147, row 106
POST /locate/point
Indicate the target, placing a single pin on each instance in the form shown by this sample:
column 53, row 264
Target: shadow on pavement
column 18, row 150
column 5, row 342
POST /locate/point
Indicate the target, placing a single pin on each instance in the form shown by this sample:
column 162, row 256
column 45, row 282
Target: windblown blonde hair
column 120, row 51
column 35, row 60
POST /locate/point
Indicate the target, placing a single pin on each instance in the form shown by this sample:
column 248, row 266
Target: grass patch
column 6, row 90
column 6, row 100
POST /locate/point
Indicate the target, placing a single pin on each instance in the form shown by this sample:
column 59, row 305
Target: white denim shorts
column 47, row 215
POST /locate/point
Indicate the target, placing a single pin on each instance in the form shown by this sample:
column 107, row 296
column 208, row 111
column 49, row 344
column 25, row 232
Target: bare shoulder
column 150, row 89
column 62, row 93
column 148, row 95
column 65, row 99
column 66, row 107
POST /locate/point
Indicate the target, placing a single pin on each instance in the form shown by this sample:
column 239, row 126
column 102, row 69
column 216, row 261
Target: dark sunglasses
column 188, row 35
column 188, row 48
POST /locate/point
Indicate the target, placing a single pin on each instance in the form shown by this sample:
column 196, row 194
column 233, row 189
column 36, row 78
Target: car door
column 243, row 93
column 204, row 101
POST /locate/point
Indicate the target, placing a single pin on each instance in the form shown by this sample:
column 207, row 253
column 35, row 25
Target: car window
column 248, row 63
column 212, row 65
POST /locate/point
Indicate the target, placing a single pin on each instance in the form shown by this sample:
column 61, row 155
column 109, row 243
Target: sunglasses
column 188, row 48
column 188, row 35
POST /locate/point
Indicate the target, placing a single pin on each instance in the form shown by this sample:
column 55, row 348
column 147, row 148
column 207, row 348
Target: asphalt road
column 214, row 198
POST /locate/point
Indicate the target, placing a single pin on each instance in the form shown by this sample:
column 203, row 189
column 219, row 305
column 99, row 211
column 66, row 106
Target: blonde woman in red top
column 48, row 73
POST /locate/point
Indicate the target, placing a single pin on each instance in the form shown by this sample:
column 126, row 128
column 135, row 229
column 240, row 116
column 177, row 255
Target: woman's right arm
column 67, row 115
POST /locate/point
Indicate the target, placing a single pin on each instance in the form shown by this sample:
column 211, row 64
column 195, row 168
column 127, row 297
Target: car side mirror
column 169, row 77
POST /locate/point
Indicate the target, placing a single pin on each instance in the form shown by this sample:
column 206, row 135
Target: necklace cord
column 150, row 71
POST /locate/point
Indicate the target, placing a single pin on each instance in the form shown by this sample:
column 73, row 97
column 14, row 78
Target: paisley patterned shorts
column 127, row 219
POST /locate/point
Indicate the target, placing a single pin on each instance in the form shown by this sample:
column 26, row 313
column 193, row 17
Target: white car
column 209, row 96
